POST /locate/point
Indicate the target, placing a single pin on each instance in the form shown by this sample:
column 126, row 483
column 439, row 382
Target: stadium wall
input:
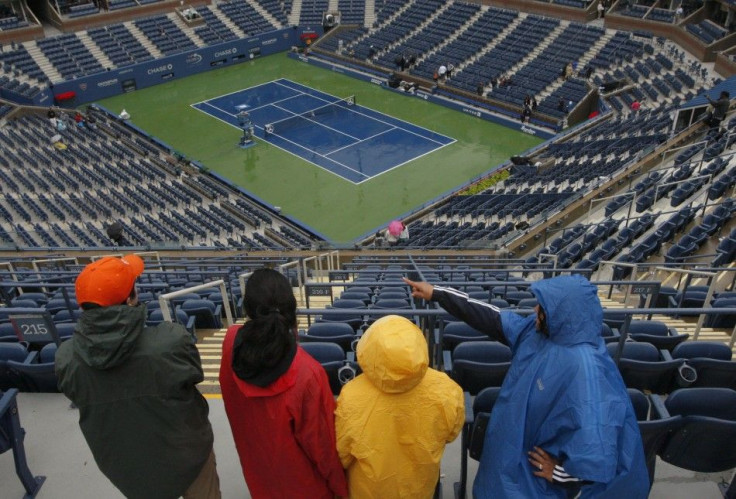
column 121, row 80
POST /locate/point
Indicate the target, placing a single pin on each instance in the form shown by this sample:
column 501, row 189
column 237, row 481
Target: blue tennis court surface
column 337, row 134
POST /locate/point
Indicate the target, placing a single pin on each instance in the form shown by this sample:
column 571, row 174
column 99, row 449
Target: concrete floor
column 56, row 449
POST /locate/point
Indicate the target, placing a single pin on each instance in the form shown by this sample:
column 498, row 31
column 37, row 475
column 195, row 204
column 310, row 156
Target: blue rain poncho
column 563, row 393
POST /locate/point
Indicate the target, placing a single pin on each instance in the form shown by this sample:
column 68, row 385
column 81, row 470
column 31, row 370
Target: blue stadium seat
column 643, row 367
column 478, row 364
column 340, row 333
column 332, row 357
column 11, row 438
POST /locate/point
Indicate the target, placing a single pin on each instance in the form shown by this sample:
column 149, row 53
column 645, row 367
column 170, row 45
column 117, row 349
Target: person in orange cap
column 135, row 386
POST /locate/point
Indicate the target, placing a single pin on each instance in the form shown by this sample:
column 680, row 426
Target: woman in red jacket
column 278, row 399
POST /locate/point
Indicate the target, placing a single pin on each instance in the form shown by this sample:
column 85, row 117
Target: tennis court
column 341, row 210
column 338, row 134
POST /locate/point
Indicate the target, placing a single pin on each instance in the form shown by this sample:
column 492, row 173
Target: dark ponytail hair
column 265, row 345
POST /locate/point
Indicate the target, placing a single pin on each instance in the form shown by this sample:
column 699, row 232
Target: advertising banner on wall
column 127, row 79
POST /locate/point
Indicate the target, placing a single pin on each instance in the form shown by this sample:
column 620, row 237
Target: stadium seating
column 12, row 352
column 643, row 367
column 332, row 358
column 655, row 428
column 705, row 441
column 657, row 333
column 340, row 333
column 478, row 364
column 37, row 375
column 11, row 438
column 473, row 432
column 711, row 361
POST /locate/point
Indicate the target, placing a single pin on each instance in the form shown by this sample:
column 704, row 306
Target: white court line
column 245, row 90
column 292, row 153
column 313, row 121
column 277, row 82
column 405, row 162
column 373, row 110
column 358, row 141
column 320, row 155
column 213, row 116
column 362, row 140
column 205, row 103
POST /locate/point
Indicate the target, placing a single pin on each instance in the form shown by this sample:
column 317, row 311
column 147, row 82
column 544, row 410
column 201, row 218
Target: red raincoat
column 284, row 433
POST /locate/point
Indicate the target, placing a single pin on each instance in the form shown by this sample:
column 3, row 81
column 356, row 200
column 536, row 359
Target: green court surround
column 339, row 210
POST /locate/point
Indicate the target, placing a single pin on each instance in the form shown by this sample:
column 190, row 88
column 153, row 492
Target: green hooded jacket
column 139, row 408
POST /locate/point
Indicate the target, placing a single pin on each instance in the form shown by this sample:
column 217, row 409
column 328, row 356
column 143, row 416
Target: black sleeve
column 481, row 315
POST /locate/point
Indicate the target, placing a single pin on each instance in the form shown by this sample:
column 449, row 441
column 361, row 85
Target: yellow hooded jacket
column 393, row 421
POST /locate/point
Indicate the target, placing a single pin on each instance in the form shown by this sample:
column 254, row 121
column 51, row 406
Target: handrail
column 300, row 282
column 164, row 299
column 424, row 312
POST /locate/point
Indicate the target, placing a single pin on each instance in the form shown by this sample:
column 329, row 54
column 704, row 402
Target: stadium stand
column 629, row 198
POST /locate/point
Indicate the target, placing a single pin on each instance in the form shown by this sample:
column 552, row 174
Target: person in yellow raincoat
column 393, row 421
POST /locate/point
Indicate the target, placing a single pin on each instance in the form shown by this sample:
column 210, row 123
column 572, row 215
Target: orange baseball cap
column 108, row 281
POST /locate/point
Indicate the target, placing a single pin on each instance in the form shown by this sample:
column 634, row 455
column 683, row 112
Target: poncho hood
column 572, row 308
column 393, row 354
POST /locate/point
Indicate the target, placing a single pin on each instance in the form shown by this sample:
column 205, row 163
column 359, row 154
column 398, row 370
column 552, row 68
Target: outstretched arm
column 478, row 314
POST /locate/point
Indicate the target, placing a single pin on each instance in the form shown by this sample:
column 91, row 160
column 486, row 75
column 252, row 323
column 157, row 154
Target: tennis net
column 308, row 117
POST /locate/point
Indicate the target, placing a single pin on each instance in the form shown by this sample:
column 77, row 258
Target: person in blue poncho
column 563, row 421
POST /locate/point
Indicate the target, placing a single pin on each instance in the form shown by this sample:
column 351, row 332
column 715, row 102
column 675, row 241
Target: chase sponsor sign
column 225, row 53
column 474, row 112
column 160, row 69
